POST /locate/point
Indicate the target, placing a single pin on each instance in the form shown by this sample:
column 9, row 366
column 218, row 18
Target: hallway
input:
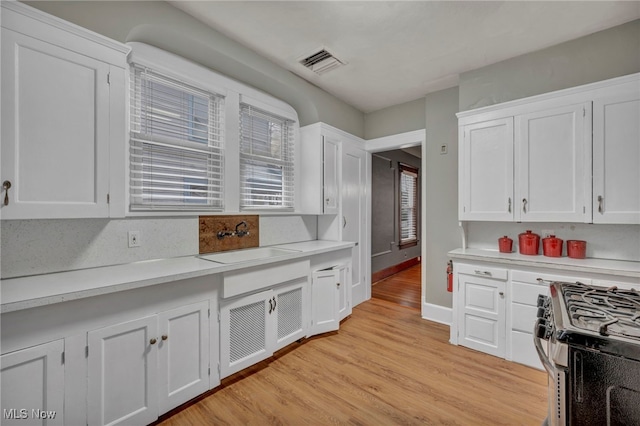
column 403, row 288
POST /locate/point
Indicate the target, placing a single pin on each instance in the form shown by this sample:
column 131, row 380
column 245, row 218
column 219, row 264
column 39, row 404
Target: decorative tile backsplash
column 222, row 233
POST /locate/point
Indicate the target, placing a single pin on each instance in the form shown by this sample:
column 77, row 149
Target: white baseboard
column 437, row 313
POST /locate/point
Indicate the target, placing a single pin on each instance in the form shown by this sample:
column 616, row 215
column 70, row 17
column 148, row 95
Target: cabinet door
column 330, row 169
column 616, row 155
column 344, row 291
column 55, row 131
column 482, row 314
column 486, row 172
column 245, row 334
column 289, row 313
column 552, row 165
column 122, row 373
column 32, row 385
column 183, row 353
column 324, row 301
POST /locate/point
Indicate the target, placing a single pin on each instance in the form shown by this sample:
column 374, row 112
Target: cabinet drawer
column 523, row 350
column 249, row 280
column 523, row 317
column 482, row 271
column 534, row 277
column 527, row 294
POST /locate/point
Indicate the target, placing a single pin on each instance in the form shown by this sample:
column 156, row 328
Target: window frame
column 168, row 151
column 414, row 173
column 286, row 162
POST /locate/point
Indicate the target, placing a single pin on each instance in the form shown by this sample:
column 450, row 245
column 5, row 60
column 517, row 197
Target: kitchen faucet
column 243, row 232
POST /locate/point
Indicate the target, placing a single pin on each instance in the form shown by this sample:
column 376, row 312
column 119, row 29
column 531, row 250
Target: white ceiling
column 400, row 51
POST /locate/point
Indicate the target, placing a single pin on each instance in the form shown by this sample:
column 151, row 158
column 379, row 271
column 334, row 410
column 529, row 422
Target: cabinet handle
column 344, row 221
column 6, row 185
column 509, row 208
column 524, row 205
column 327, row 201
column 501, row 293
column 270, row 306
column 165, row 337
column 153, row 341
column 482, row 273
column 539, row 280
column 274, row 303
column 600, row 199
column 338, row 284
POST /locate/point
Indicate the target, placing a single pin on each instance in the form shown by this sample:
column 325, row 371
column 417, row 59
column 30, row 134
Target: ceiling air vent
column 321, row 62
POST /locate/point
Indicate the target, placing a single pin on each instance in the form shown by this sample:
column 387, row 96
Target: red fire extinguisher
column 450, row 276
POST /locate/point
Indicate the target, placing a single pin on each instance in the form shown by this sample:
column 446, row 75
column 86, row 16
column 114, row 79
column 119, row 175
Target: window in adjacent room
column 408, row 205
column 266, row 160
column 176, row 148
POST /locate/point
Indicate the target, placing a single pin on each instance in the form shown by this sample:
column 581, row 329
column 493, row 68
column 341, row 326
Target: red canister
column 505, row 244
column 552, row 246
column 529, row 243
column 576, row 249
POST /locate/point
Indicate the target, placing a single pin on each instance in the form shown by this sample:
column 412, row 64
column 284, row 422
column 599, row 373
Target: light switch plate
column 134, row 238
column 443, row 149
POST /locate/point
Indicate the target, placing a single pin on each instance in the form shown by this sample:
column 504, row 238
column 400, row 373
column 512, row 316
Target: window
column 176, row 150
column 266, row 160
column 408, row 205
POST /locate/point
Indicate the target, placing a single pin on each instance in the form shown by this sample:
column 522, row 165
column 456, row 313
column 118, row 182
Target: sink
column 246, row 255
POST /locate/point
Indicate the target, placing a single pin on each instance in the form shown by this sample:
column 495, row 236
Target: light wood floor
column 385, row 366
column 403, row 288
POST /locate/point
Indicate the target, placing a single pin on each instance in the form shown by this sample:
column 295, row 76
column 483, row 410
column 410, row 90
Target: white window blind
column 176, row 149
column 408, row 204
column 266, row 160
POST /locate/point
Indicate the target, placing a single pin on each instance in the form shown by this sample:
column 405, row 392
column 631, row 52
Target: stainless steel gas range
column 588, row 339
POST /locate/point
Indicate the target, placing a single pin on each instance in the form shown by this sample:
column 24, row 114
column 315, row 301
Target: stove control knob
column 541, row 312
column 542, row 300
column 541, row 329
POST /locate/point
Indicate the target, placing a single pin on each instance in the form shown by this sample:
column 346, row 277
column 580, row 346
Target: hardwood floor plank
column 403, row 288
column 385, row 366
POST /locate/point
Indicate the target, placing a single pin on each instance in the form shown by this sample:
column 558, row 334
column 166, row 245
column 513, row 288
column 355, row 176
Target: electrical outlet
column 135, row 238
column 547, row 232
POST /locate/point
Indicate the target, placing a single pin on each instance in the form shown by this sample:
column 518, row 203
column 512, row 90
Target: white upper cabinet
column 63, row 106
column 551, row 164
column 616, row 157
column 486, row 171
column 319, row 172
column 567, row 156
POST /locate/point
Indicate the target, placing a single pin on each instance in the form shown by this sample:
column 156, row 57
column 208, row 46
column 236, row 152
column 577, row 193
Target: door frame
column 388, row 143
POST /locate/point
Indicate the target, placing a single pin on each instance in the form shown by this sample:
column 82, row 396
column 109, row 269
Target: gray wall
column 395, row 119
column 599, row 56
column 385, row 189
column 440, row 192
column 166, row 27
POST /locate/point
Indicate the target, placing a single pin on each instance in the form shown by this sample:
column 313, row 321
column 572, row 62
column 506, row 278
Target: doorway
column 396, row 223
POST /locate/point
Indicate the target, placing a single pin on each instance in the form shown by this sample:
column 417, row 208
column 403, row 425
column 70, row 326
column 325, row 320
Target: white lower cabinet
column 252, row 327
column 32, row 382
column 481, row 313
column 141, row 368
column 525, row 286
column 331, row 296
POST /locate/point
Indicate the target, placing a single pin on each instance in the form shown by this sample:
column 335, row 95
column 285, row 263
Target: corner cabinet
column 63, row 119
column 535, row 159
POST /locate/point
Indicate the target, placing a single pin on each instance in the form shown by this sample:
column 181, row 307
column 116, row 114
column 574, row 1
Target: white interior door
column 354, row 217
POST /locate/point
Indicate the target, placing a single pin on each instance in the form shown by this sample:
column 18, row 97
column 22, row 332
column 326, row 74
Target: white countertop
column 39, row 290
column 619, row 268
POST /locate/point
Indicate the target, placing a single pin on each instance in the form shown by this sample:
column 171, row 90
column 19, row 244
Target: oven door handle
column 543, row 357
